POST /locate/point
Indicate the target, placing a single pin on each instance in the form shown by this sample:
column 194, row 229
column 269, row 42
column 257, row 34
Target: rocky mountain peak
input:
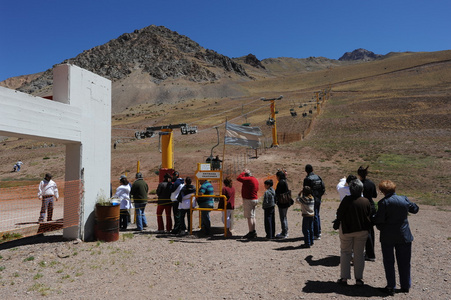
column 155, row 50
column 359, row 54
column 252, row 60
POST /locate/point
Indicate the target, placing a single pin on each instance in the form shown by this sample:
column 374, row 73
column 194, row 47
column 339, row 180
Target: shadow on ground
column 330, row 287
column 32, row 240
column 329, row 261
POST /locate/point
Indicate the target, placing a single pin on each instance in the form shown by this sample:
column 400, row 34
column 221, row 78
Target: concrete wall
column 80, row 115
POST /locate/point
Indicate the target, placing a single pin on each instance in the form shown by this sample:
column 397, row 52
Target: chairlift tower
column 317, row 101
column 273, row 117
column 166, row 140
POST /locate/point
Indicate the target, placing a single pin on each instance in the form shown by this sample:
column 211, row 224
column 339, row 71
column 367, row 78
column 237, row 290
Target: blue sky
column 35, row 35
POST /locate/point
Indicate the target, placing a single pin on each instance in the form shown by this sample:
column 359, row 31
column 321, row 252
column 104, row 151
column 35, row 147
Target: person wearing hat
column 139, row 192
column 47, row 191
column 125, row 176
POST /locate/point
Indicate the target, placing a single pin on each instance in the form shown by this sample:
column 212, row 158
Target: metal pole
column 317, row 102
column 275, row 143
column 273, row 116
column 167, row 154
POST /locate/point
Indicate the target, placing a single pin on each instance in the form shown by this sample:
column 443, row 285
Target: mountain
column 155, row 65
column 359, row 54
column 18, row 81
column 147, row 57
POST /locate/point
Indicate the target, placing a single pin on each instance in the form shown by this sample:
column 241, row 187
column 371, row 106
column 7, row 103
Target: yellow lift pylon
column 275, row 142
column 166, row 140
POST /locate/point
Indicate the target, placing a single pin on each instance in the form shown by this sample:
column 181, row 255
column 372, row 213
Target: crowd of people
column 356, row 215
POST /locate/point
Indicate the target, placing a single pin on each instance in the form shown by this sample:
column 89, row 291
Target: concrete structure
column 80, row 117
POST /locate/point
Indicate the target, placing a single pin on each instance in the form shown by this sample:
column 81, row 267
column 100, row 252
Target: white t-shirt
column 123, row 193
column 343, row 189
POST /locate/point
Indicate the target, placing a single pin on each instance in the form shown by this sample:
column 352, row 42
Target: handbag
column 285, row 198
column 336, row 224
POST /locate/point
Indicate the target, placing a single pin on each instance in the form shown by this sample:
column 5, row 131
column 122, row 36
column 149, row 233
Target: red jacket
column 250, row 186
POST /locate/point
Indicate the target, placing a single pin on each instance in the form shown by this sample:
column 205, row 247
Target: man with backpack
column 317, row 185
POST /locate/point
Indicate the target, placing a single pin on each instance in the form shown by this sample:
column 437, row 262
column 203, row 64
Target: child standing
column 269, row 208
column 229, row 191
column 305, row 198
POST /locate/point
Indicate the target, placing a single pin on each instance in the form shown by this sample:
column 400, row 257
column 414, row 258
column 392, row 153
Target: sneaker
column 160, row 231
column 317, row 237
column 281, row 236
column 305, row 246
column 359, row 282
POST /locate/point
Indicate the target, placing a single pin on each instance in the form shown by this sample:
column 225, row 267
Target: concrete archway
column 80, row 115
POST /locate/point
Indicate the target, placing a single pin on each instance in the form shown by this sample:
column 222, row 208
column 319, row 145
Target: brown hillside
column 391, row 114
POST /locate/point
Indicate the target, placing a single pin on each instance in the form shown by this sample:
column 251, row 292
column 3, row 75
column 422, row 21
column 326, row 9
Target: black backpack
column 317, row 185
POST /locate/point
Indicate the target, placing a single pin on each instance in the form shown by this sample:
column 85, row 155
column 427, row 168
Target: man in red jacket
column 250, row 200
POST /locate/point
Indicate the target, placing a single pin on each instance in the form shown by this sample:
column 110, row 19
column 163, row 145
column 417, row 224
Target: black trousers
column 270, row 222
column 124, row 218
column 369, row 246
column 177, row 220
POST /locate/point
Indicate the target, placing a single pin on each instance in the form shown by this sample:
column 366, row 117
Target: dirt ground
column 163, row 266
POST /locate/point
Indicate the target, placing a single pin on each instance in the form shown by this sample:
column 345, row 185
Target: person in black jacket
column 395, row 235
column 317, row 185
column 354, row 214
column 369, row 192
column 281, row 188
column 164, row 204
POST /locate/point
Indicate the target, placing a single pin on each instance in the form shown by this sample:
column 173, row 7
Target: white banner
column 242, row 135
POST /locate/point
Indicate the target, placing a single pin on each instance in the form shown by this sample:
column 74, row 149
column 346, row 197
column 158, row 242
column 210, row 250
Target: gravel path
column 154, row 266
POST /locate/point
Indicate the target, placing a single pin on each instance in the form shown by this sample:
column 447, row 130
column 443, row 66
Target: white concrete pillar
column 80, row 117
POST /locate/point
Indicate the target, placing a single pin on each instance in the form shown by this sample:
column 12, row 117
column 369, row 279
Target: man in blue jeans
column 206, row 202
column 139, row 193
column 317, row 185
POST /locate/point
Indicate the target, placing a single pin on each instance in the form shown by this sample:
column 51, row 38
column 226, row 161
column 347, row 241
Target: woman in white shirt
column 123, row 194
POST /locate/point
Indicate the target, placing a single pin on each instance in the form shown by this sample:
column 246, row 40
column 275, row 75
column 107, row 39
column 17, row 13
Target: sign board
column 208, row 175
column 204, row 167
